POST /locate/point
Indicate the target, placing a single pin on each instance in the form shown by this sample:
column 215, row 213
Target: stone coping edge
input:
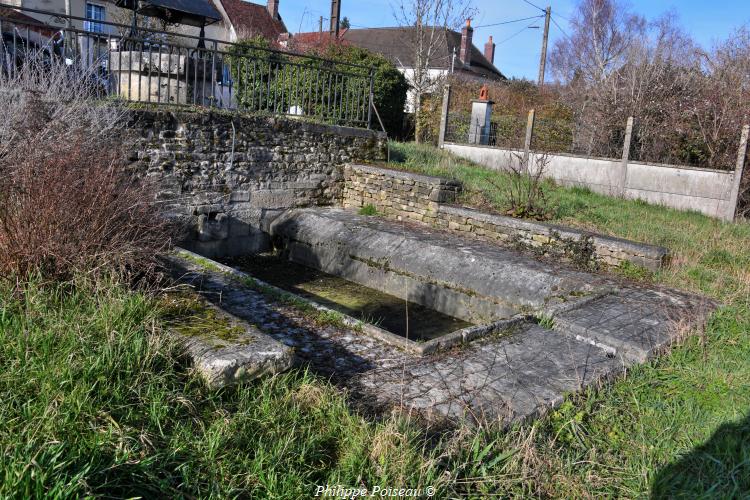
column 191, row 115
column 407, row 176
column 447, row 341
column 651, row 251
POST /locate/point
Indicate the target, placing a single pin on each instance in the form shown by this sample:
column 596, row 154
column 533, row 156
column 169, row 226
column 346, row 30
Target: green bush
column 271, row 81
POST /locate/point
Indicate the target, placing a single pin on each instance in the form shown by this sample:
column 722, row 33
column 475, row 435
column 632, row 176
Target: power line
column 508, row 22
column 514, row 34
column 535, row 6
column 560, row 28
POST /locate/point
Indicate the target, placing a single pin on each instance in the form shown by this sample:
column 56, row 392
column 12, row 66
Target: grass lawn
column 95, row 400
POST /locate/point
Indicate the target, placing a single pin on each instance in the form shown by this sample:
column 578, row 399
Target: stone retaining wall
column 396, row 194
column 223, row 172
column 406, row 196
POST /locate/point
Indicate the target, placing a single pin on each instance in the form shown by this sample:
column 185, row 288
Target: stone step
column 634, row 323
column 226, row 349
column 511, row 378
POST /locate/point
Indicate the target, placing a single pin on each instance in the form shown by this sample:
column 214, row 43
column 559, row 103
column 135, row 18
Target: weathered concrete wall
column 685, row 188
column 224, row 172
column 406, row 196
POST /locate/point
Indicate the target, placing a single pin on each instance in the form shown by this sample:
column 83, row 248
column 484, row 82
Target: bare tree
column 688, row 103
column 430, row 20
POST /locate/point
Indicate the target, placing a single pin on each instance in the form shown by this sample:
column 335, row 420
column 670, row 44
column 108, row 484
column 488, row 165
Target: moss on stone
column 187, row 314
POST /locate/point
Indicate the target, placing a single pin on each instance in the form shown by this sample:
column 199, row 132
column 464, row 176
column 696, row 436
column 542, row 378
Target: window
column 94, row 13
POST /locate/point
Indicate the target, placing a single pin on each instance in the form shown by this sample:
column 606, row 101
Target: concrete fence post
column 738, row 171
column 527, row 141
column 622, row 181
column 444, row 115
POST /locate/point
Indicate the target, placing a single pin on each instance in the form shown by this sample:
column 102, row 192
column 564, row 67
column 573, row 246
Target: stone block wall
column 396, row 194
column 225, row 172
column 406, row 196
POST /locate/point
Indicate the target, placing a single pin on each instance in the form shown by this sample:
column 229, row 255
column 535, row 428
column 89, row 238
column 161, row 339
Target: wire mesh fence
column 160, row 67
column 504, row 131
column 580, row 137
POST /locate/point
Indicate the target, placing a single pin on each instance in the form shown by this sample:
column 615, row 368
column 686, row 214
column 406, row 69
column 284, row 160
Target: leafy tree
column 278, row 82
column 254, row 68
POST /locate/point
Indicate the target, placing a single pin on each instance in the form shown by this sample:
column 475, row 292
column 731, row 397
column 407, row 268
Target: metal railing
column 179, row 68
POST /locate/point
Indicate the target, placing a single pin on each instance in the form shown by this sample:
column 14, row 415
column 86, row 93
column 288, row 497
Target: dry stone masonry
column 224, row 172
column 407, row 196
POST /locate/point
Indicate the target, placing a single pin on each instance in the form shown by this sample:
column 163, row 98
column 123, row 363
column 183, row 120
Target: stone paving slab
column 507, row 378
column 634, row 323
column 250, row 355
column 242, row 356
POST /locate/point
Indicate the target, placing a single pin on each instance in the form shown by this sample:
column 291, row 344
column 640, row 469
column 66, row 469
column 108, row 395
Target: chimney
column 273, row 8
column 466, row 36
column 489, row 51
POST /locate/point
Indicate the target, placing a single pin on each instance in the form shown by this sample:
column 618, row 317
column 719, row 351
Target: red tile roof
column 250, row 19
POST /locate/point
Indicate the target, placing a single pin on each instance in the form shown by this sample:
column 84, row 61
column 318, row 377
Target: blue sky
column 706, row 21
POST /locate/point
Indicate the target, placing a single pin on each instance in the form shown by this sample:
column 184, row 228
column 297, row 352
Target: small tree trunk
column 418, row 117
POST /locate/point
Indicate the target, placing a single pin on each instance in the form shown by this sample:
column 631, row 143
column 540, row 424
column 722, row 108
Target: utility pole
column 335, row 15
column 543, row 60
column 68, row 13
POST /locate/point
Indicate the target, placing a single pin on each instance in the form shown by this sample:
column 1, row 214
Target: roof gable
column 397, row 45
column 250, row 19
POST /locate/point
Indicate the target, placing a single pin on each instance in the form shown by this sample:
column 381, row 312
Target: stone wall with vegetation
column 420, row 198
column 224, row 172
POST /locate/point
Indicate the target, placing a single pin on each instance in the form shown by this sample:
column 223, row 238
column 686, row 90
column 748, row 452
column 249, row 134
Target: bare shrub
column 67, row 202
column 524, row 193
column 688, row 103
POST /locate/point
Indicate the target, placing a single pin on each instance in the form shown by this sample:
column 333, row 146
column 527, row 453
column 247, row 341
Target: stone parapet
column 430, row 200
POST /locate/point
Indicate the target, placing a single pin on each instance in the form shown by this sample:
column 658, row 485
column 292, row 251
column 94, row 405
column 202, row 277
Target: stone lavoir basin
column 492, row 330
column 403, row 318
column 454, row 289
column 435, row 290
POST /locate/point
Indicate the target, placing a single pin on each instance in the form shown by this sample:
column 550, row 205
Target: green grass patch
column 368, row 210
column 97, row 402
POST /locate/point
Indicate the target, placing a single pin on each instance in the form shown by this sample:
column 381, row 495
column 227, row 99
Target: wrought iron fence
column 177, row 68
